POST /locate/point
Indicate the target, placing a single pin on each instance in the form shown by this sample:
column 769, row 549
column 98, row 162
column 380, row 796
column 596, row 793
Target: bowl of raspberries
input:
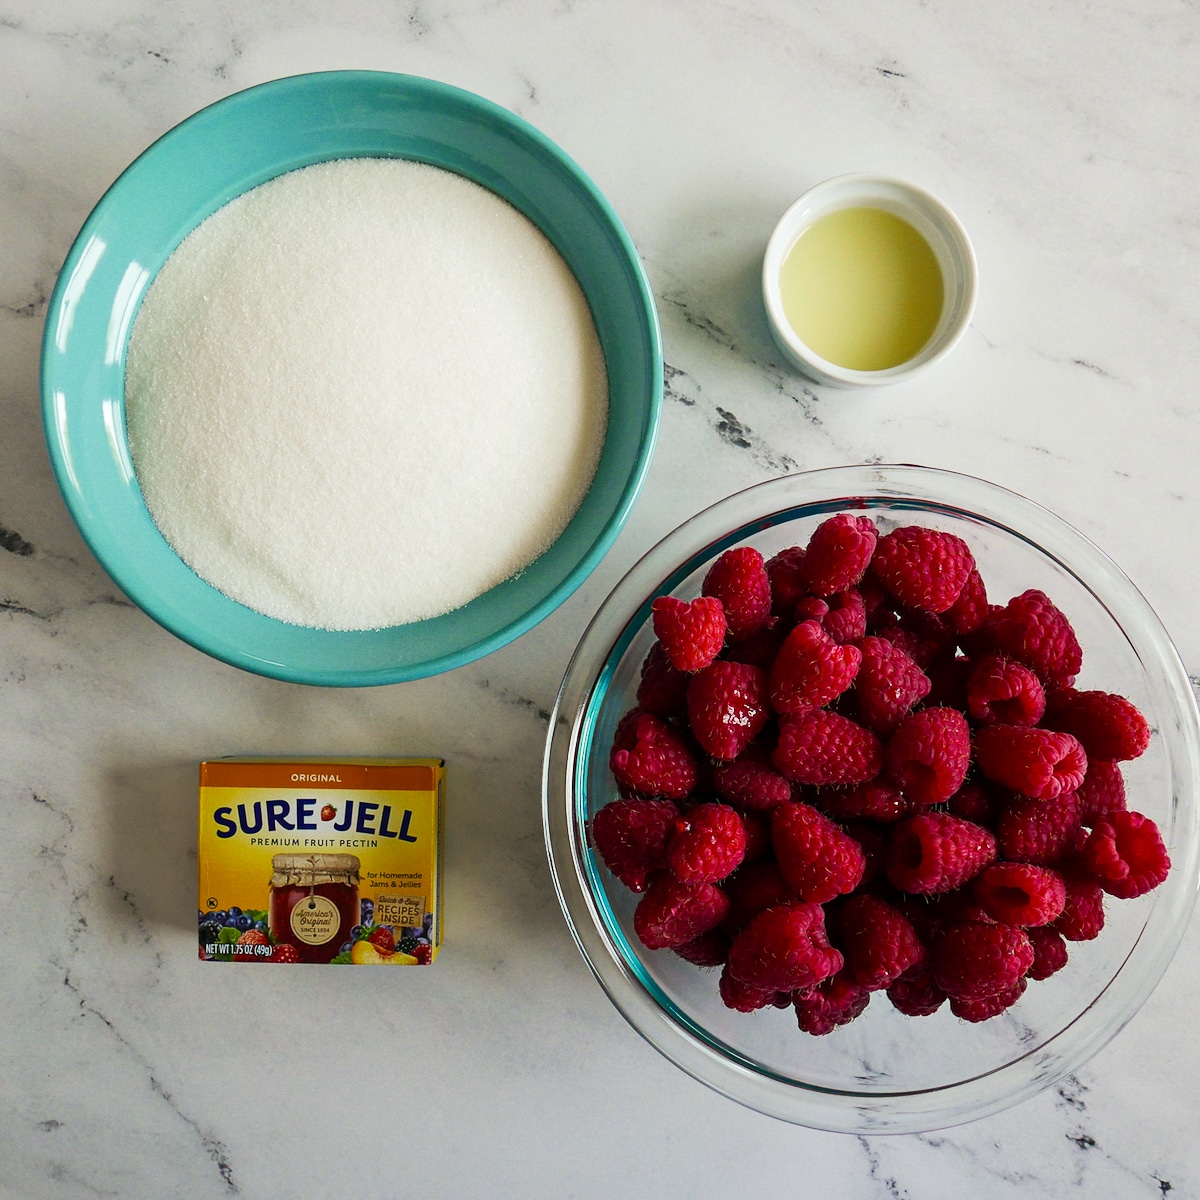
column 870, row 798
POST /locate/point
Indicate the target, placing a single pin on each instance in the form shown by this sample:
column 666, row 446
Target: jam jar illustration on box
column 314, row 903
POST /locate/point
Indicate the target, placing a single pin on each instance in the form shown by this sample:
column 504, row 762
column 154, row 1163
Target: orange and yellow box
column 333, row 861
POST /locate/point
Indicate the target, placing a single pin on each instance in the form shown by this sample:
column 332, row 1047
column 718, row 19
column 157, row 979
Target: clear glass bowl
column 885, row 1072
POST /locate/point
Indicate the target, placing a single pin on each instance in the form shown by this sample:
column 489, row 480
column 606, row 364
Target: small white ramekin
column 936, row 224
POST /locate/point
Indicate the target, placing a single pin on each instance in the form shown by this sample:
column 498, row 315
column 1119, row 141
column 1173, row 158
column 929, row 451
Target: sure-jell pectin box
column 321, row 861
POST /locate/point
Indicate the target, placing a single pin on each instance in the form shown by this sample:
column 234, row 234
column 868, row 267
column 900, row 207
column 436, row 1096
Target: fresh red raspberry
column 874, row 801
column 1083, row 915
column 935, row 852
column 916, row 995
column 1043, row 832
column 649, row 757
column 285, row 953
column 829, row 1005
column 693, row 633
column 928, row 755
column 811, row 608
column 1102, row 791
column 923, row 568
column 383, row 939
column 752, row 890
column 1126, row 856
column 743, row 997
column 983, row 1008
column 1021, row 894
column 708, row 843
column 810, row 670
column 838, row 553
column 975, row 803
column 673, row 912
column 787, row 581
column 1039, row 763
column 423, row 953
column 727, row 707
column 784, row 948
column 631, row 837
column 877, row 940
column 970, row 610
column 972, row 961
column 821, row 747
column 1033, row 631
column 844, row 618
column 739, row 580
column 922, row 652
column 662, row 689
column 888, row 684
column 846, row 621
column 750, row 782
column 1049, row 952
column 1108, row 726
column 1001, row 692
column 626, row 735
column 818, row 859
column 710, row 949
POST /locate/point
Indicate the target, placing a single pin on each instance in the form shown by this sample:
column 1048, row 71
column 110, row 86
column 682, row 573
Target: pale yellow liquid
column 862, row 288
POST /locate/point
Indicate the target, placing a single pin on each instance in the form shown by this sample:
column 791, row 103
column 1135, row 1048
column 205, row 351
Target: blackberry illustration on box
column 321, row 861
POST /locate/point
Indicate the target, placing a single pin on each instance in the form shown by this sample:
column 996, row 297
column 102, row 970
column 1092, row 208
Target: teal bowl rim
column 196, row 635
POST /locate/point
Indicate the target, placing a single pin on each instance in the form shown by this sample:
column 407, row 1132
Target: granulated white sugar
column 364, row 393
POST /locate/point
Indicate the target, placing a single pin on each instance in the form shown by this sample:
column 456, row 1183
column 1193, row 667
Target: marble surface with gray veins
column 1064, row 135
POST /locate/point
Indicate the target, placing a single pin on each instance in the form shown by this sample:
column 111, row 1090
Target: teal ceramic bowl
column 237, row 144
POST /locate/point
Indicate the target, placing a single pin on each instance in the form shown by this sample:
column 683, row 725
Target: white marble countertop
column 1066, row 138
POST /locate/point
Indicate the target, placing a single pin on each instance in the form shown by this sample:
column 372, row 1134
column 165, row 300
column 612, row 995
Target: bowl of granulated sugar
column 351, row 378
